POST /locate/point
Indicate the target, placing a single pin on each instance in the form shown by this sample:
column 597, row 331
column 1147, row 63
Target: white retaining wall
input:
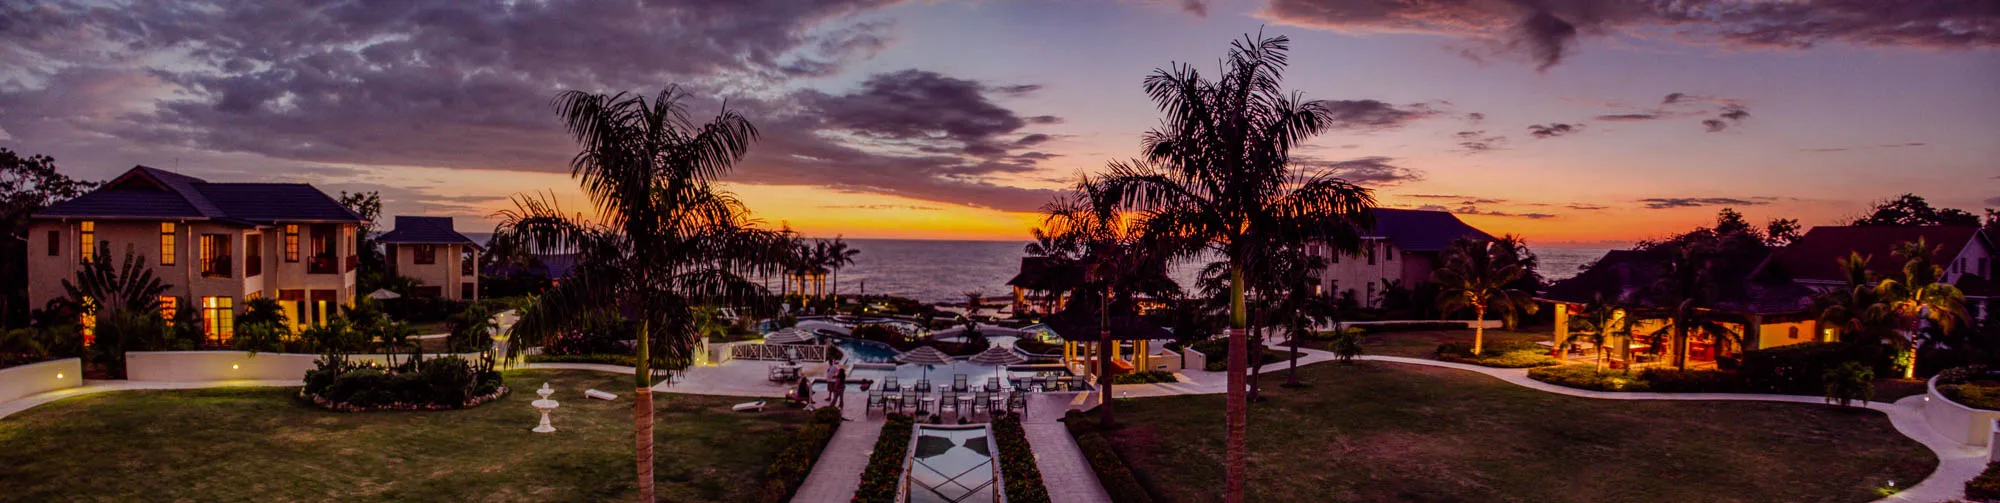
column 1960, row 423
column 1193, row 360
column 36, row 378
column 200, row 366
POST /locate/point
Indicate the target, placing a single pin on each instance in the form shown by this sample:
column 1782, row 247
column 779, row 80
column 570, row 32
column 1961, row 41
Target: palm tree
column 664, row 236
column 1116, row 260
column 1298, row 303
column 1600, row 321
column 1217, row 176
column 837, row 256
column 1857, row 309
column 1687, row 288
column 1480, row 275
column 1920, row 296
column 103, row 290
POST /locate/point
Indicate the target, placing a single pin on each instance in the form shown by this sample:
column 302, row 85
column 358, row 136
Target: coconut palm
column 663, row 238
column 1857, row 309
column 1479, row 275
column 1217, row 176
column 1920, row 296
column 1297, row 302
column 1687, row 289
column 1600, row 321
column 837, row 255
column 1117, row 262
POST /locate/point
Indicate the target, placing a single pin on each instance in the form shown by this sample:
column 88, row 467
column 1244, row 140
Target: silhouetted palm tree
column 1688, row 289
column 1601, row 320
column 1479, row 275
column 1921, row 295
column 664, row 236
column 1217, row 175
column 834, row 256
column 1857, row 309
column 1117, row 263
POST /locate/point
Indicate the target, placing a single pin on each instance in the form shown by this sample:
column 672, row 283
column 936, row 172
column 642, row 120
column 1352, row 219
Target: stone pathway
column 1065, row 471
column 838, row 472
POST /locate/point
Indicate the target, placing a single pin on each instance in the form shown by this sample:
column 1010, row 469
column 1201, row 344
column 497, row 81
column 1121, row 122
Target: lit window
column 169, row 307
column 87, row 239
column 292, row 243
column 215, row 256
column 167, row 243
column 218, row 319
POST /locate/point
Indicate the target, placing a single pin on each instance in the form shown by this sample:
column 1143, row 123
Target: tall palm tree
column 1922, row 297
column 1117, row 261
column 1480, row 275
column 1687, row 289
column 664, row 237
column 1857, row 309
column 1217, row 175
column 1297, row 303
column 836, row 256
column 1599, row 323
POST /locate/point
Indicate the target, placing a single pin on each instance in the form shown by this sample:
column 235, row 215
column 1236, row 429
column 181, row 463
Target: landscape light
column 59, row 375
column 233, row 366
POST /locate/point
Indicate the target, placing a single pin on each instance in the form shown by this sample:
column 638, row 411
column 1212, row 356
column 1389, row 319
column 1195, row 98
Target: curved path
column 1957, row 463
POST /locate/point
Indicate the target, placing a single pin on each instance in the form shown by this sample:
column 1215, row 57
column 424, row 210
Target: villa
column 1404, row 247
column 217, row 245
column 1966, row 253
column 1763, row 310
column 429, row 250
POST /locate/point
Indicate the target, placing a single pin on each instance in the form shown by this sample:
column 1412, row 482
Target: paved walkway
column 838, row 472
column 1065, row 471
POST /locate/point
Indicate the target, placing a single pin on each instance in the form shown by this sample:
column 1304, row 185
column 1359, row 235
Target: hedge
column 1985, row 487
column 607, row 359
column 786, row 473
column 1017, row 463
column 1145, row 377
column 1800, row 369
column 1118, row 480
column 436, row 384
column 885, row 467
column 1669, row 380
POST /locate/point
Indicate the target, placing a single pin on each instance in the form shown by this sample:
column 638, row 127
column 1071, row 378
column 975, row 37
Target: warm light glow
column 59, row 375
column 233, row 366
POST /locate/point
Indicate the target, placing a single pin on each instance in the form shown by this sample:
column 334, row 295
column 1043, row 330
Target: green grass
column 259, row 444
column 1387, row 432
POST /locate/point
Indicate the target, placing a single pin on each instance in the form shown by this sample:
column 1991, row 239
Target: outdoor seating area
column 962, row 399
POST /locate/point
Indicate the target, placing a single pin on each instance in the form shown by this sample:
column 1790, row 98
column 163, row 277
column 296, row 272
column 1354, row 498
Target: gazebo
column 1081, row 334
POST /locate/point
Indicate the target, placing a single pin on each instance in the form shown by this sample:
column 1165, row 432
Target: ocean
column 944, row 271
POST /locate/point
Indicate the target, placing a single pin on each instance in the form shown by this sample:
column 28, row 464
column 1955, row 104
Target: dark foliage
column 1112, row 471
column 439, row 383
column 1017, row 463
column 786, row 473
column 885, row 466
column 1800, row 369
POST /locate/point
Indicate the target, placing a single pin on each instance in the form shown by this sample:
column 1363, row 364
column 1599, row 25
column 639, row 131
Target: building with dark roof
column 1966, row 253
column 431, row 251
column 1404, row 246
column 217, row 245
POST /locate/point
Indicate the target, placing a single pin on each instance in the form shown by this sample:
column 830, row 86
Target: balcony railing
column 215, row 267
column 323, row 264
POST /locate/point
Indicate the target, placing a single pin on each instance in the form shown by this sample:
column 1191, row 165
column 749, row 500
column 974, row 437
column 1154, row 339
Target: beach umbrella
column 998, row 358
column 383, row 294
column 926, row 356
column 788, row 336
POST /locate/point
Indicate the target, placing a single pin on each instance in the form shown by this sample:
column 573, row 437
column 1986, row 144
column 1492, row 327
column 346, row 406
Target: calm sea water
column 944, row 271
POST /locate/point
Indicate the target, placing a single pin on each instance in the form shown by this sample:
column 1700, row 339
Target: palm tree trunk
column 1478, row 329
column 1292, row 371
column 1236, row 411
column 1256, row 356
column 642, row 415
column 1104, row 373
column 1680, row 345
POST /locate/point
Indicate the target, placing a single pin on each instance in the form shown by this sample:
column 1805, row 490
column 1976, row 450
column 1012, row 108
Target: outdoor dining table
column 964, row 403
column 930, row 404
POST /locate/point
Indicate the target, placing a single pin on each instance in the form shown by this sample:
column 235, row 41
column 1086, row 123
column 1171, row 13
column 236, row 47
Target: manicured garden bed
column 1424, row 343
column 1506, row 355
column 1387, row 432
column 263, row 444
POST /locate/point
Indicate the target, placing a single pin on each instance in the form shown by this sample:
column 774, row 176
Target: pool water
column 860, row 351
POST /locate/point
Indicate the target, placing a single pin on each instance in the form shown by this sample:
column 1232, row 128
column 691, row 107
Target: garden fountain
column 545, row 405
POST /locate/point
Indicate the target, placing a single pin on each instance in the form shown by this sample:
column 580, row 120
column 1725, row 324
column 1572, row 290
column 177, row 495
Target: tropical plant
column 1601, row 320
column 1687, row 288
column 835, row 255
column 1117, row 261
column 1217, row 175
column 1346, row 344
column 102, row 290
column 262, row 311
column 1478, row 275
column 1848, row 382
column 472, row 328
column 664, row 236
column 1921, row 296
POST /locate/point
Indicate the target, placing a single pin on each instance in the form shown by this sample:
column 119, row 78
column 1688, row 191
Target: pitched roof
column 1628, row 276
column 1815, row 255
column 424, row 230
column 1045, row 274
column 1423, row 230
column 151, row 193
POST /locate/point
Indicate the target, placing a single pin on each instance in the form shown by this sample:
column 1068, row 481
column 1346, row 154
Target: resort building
column 1762, row 311
column 1038, row 286
column 1966, row 254
column 429, row 250
column 217, row 245
column 1404, row 247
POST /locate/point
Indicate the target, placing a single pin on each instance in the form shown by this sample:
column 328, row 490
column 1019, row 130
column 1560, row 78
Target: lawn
column 1389, row 432
column 259, row 444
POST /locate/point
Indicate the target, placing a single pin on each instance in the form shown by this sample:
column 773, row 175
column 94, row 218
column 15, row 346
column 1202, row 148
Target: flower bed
column 786, row 473
column 1118, row 480
column 435, row 384
column 1145, row 377
column 1498, row 355
column 884, row 473
column 1973, row 386
column 1587, row 377
column 1017, row 463
column 1985, row 487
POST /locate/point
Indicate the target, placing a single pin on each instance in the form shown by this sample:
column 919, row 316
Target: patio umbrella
column 926, row 356
column 788, row 336
column 383, row 294
column 998, row 358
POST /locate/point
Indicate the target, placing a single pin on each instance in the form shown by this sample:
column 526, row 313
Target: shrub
column 1978, row 396
column 789, row 470
column 440, row 383
column 1587, row 377
column 1217, row 352
column 1017, row 463
column 602, row 333
column 1112, row 472
column 1039, row 347
column 1145, row 377
column 1800, row 369
column 1849, row 381
column 1692, row 381
column 885, row 465
column 1500, row 354
column 1985, row 487
column 1346, row 344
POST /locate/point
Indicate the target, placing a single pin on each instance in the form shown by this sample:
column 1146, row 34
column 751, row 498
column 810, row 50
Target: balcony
column 253, row 266
column 353, row 262
column 323, row 264
column 215, row 267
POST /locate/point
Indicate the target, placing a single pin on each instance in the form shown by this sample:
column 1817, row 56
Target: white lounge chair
column 757, row 406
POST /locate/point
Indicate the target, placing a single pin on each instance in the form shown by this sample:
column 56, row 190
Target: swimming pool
column 859, row 351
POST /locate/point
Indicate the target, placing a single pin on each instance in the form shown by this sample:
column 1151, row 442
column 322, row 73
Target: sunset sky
column 1573, row 122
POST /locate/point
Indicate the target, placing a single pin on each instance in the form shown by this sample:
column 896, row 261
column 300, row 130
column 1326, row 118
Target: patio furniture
column 1017, row 404
column 923, row 386
column 889, row 384
column 948, row 402
column 992, row 385
column 996, row 402
column 958, row 383
column 876, row 400
column 1021, row 386
column 757, row 406
column 1041, row 383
